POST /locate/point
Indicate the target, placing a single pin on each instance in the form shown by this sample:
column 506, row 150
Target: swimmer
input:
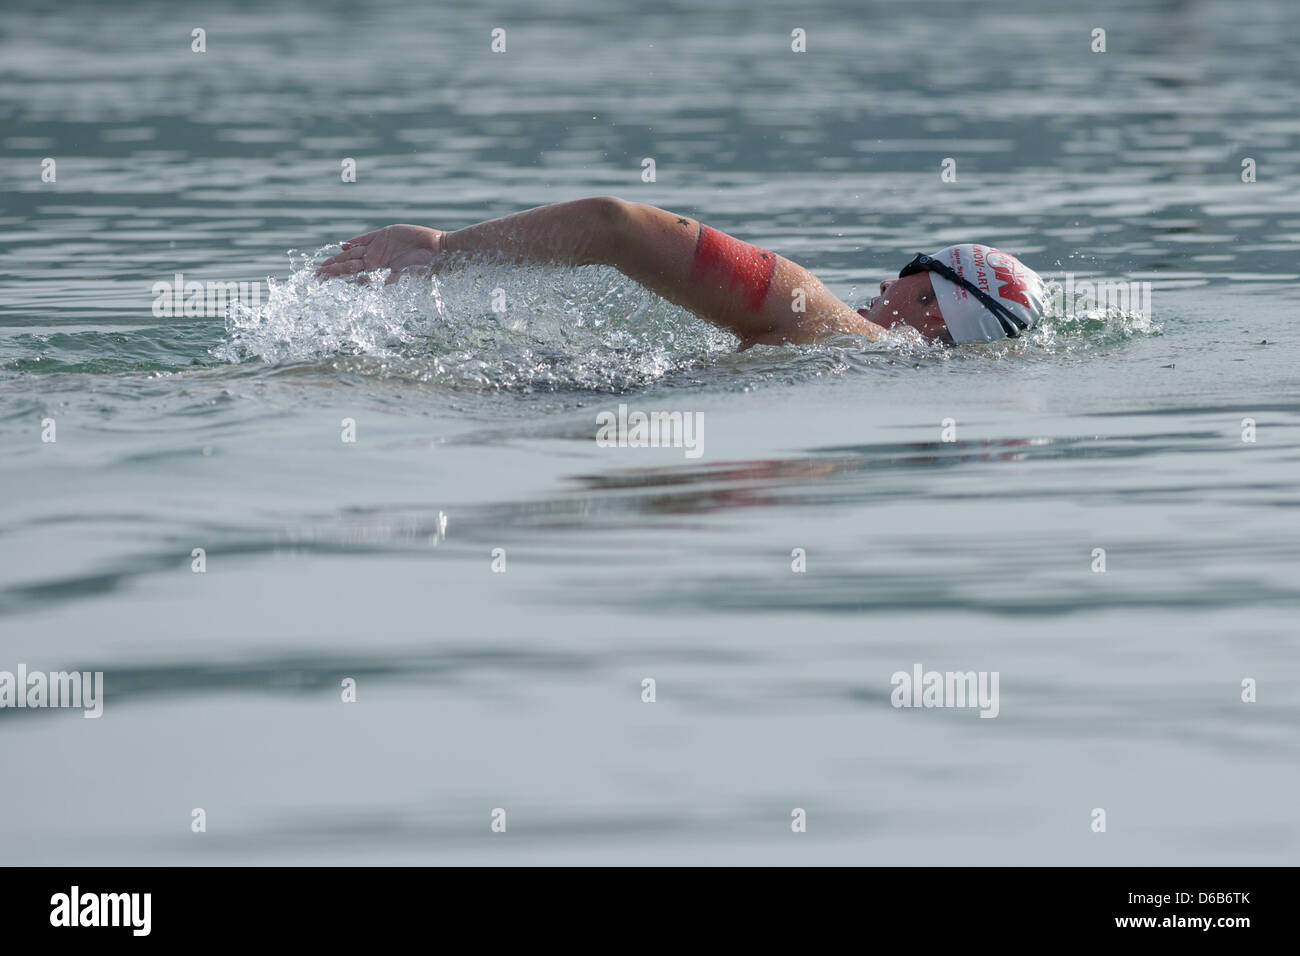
column 963, row 293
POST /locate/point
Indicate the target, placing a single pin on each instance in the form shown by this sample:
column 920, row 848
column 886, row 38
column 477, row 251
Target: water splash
column 1074, row 325
column 586, row 328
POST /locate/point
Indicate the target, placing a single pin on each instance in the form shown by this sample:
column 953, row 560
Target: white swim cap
column 1003, row 277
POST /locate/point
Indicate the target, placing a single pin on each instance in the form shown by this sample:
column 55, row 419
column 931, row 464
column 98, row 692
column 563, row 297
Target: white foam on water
column 561, row 328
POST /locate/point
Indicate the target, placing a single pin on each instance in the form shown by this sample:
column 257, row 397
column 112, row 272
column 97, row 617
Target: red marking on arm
column 743, row 268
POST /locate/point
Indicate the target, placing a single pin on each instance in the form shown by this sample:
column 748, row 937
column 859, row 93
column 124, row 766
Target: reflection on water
column 826, row 479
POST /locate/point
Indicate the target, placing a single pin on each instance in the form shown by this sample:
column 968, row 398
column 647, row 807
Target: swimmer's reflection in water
column 773, row 481
column 963, row 293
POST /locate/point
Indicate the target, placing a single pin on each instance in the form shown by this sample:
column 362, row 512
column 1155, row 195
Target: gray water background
column 372, row 560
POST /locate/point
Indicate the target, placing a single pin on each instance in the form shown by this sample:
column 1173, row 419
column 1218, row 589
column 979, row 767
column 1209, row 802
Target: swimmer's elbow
column 606, row 221
column 609, row 209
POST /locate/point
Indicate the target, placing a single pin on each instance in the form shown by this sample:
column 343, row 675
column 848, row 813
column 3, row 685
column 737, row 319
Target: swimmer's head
column 964, row 293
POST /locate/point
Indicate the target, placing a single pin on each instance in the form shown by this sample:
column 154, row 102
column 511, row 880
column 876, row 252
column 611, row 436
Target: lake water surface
column 475, row 431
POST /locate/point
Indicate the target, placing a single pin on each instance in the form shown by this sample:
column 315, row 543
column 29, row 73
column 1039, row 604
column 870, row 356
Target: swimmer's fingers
column 354, row 250
column 349, row 252
column 393, row 247
column 345, row 267
column 362, row 239
column 355, row 254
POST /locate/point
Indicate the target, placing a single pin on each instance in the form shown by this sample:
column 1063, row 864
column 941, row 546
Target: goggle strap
column 1011, row 323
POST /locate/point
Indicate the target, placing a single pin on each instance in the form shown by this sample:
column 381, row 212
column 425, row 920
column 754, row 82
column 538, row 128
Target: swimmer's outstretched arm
column 750, row 291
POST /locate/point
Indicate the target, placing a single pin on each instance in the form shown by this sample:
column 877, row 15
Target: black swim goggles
column 1011, row 323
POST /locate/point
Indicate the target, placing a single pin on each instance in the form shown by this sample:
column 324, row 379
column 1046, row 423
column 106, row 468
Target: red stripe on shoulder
column 739, row 266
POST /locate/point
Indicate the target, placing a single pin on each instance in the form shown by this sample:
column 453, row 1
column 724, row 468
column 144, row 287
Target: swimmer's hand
column 396, row 248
